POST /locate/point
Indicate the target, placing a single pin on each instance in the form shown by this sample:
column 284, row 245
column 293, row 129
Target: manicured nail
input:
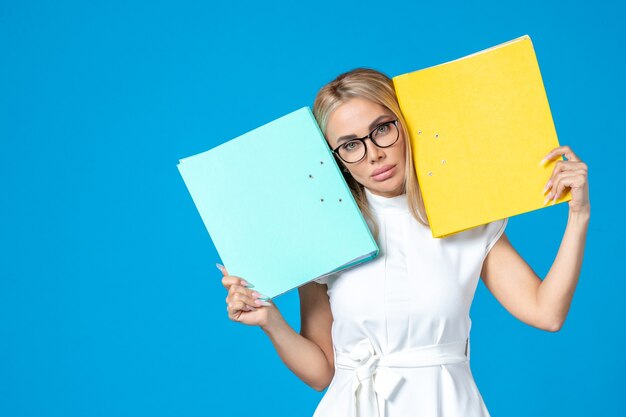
column 220, row 267
column 543, row 161
column 546, row 200
column 260, row 302
column 555, row 195
column 246, row 284
column 547, row 186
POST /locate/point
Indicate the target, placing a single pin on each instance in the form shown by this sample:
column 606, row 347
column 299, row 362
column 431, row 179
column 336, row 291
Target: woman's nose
column 373, row 151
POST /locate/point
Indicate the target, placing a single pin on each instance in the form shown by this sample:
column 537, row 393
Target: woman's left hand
column 570, row 174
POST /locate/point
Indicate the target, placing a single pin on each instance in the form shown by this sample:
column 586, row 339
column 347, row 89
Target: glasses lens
column 352, row 151
column 385, row 134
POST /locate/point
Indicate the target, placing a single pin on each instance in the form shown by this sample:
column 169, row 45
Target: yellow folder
column 479, row 126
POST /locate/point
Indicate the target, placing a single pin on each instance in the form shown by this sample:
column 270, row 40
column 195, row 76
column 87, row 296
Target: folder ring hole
column 310, row 176
column 322, row 200
column 419, row 132
column 443, row 161
column 322, row 162
column 340, row 200
column 436, row 135
column 430, row 174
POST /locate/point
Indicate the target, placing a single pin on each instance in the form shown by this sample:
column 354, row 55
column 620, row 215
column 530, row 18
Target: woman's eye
column 349, row 146
column 383, row 128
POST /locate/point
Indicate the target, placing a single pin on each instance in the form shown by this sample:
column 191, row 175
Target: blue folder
column 277, row 207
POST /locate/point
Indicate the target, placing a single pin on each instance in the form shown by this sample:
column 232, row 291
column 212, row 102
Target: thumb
column 222, row 268
column 242, row 281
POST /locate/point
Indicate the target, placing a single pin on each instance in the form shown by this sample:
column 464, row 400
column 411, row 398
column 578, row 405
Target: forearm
column 303, row 357
column 555, row 294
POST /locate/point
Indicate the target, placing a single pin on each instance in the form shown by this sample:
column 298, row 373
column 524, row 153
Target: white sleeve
column 494, row 231
column 324, row 279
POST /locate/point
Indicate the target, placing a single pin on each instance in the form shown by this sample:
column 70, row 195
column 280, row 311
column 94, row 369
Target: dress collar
column 387, row 204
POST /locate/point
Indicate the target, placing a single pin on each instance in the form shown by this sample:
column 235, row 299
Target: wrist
column 273, row 322
column 580, row 216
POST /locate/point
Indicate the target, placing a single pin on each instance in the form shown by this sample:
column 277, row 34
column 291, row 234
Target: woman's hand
column 243, row 304
column 568, row 174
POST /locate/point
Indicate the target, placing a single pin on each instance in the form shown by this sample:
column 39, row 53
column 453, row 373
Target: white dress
column 401, row 322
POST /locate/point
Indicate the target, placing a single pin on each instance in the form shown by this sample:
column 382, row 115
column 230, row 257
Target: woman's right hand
column 243, row 304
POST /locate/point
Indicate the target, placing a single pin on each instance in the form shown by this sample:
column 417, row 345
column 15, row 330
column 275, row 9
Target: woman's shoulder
column 485, row 235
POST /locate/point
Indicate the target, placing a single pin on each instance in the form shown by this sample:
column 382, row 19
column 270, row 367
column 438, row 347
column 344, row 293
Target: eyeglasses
column 354, row 150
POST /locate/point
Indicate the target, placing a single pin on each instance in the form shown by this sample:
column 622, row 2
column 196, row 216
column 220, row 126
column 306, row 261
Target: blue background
column 110, row 304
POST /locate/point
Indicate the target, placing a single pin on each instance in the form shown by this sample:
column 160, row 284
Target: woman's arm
column 542, row 304
column 545, row 304
column 309, row 354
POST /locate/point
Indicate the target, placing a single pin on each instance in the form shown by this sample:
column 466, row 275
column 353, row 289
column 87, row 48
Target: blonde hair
column 377, row 87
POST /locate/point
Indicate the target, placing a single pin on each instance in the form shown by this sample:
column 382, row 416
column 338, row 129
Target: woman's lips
column 385, row 174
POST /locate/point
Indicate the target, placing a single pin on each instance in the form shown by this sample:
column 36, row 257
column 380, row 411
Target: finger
column 570, row 165
column 236, row 315
column 558, row 152
column 230, row 280
column 238, row 289
column 249, row 297
column 560, row 167
column 246, row 299
column 227, row 280
column 553, row 178
column 248, row 308
column 224, row 271
column 557, row 185
column 564, row 181
column 234, row 308
column 239, row 307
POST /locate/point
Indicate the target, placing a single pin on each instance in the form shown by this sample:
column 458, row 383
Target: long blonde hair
column 377, row 87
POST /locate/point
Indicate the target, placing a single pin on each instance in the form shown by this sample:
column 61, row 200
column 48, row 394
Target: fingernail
column 547, row 186
column 220, row 267
column 246, row 284
column 546, row 200
column 543, row 161
column 554, row 199
column 260, row 302
column 259, row 295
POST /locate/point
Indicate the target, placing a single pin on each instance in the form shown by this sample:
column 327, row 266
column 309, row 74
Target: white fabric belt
column 374, row 380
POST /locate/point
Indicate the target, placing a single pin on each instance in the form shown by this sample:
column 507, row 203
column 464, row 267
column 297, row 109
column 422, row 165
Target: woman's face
column 356, row 118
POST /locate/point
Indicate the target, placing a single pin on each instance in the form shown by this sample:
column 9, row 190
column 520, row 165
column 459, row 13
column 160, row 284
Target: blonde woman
column 391, row 337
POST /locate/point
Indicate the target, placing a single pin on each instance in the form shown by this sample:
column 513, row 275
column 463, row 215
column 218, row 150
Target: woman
column 391, row 336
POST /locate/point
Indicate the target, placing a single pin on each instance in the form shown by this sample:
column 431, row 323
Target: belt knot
column 374, row 379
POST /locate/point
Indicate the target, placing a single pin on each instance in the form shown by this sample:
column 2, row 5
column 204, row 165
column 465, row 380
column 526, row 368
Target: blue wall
column 110, row 304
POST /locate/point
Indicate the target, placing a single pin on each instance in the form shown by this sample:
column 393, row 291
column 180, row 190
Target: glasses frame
column 369, row 136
